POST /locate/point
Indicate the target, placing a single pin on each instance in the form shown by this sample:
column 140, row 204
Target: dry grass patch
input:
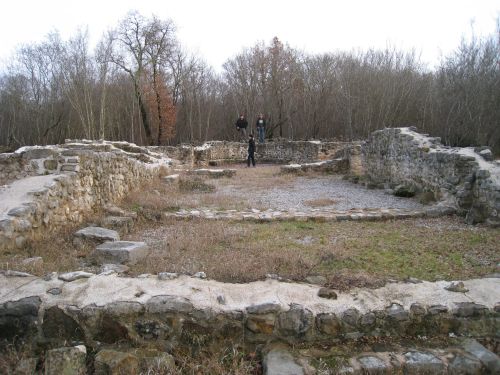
column 189, row 192
column 56, row 250
column 348, row 254
column 262, row 177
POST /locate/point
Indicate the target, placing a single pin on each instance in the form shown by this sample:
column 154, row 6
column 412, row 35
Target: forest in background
column 140, row 85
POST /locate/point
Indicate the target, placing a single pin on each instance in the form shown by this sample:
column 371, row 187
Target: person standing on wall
column 241, row 126
column 261, row 128
column 251, row 150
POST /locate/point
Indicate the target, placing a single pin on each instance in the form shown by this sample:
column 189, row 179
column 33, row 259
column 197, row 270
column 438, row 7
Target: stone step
column 212, row 173
column 94, row 235
column 119, row 252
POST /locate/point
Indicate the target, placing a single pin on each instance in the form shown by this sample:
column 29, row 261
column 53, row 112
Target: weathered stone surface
column 119, row 252
column 54, row 291
column 281, row 362
column 328, row 324
column 397, row 312
column 111, row 362
column 67, row 360
column 165, row 303
column 295, row 322
column 469, row 309
column 351, row 316
column 21, row 211
column 437, row 309
column 490, row 360
column 374, row 365
column 167, row 275
column 60, row 326
column 114, row 268
column 464, row 365
column 420, row 363
column 18, row 318
column 327, row 293
column 72, row 276
column 213, row 173
column 38, row 153
column 264, row 308
column 95, row 235
column 458, row 287
column 261, row 324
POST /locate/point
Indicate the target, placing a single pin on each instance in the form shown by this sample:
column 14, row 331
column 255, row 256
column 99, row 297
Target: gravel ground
column 345, row 194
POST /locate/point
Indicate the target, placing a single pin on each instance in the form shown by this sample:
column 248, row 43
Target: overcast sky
column 219, row 29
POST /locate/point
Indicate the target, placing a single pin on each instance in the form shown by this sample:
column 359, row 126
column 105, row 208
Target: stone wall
column 190, row 312
column 460, row 176
column 67, row 182
column 281, row 152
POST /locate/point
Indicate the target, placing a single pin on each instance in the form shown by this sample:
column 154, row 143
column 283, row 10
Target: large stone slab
column 119, row 252
column 94, row 235
column 213, row 173
column 68, row 360
column 281, row 362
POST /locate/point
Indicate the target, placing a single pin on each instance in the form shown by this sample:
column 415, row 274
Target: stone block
column 165, row 303
column 94, row 235
column 328, row 324
column 464, row 365
column 19, row 318
column 281, row 362
column 373, row 365
column 261, row 324
column 295, row 322
column 119, row 252
column 67, row 360
column 38, row 153
column 422, row 363
column 490, row 360
column 72, row 276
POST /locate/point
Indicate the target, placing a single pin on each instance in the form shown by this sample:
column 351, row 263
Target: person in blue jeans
column 261, row 127
column 251, row 150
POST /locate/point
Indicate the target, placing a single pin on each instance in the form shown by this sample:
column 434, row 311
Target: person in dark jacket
column 241, row 126
column 261, row 127
column 251, row 150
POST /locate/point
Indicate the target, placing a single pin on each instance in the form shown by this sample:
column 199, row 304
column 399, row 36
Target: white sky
column 219, row 29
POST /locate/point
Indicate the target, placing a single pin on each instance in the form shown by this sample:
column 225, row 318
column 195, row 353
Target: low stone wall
column 187, row 311
column 281, row 151
column 66, row 183
column 461, row 176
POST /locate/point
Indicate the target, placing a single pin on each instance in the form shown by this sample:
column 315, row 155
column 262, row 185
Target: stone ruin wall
column 79, row 178
column 281, row 152
column 466, row 178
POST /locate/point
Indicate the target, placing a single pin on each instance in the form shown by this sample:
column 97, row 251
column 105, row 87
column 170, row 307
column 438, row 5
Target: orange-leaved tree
column 160, row 107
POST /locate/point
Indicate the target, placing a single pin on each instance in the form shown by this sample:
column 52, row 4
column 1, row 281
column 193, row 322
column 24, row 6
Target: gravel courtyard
column 301, row 192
